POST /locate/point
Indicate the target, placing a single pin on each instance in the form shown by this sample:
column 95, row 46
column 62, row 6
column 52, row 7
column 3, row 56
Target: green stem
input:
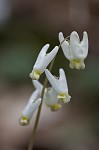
column 40, row 107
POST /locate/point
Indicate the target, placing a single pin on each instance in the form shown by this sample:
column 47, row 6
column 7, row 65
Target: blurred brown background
column 25, row 26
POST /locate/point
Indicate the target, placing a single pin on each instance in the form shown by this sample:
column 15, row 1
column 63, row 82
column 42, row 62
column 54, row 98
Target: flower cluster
column 54, row 96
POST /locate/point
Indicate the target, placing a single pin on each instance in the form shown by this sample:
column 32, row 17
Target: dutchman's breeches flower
column 55, row 96
column 30, row 108
column 59, row 85
column 51, row 99
column 50, row 95
column 74, row 50
column 42, row 61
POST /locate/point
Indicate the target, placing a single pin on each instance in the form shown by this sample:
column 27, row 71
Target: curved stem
column 40, row 107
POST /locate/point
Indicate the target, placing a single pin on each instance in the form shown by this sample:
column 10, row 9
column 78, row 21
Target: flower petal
column 74, row 37
column 43, row 51
column 35, row 74
column 34, row 96
column 41, row 55
column 54, row 82
column 42, row 62
column 51, row 100
column 56, row 107
column 50, row 97
column 57, row 84
column 49, row 57
column 79, row 49
column 84, row 44
column 65, row 47
column 37, row 85
column 62, row 79
column 28, row 112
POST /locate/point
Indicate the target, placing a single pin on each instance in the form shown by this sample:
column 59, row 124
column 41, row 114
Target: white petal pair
column 32, row 105
column 74, row 50
column 50, row 96
column 59, row 85
column 42, row 61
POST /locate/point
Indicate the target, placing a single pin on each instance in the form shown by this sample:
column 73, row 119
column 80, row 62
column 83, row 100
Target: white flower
column 42, row 61
column 74, row 50
column 60, row 85
column 51, row 99
column 30, row 108
column 50, row 95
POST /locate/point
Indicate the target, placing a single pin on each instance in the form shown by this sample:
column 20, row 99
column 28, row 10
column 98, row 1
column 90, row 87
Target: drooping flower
column 51, row 99
column 75, row 50
column 50, row 95
column 32, row 105
column 59, row 85
column 42, row 61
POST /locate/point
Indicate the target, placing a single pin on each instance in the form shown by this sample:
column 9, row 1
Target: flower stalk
column 31, row 144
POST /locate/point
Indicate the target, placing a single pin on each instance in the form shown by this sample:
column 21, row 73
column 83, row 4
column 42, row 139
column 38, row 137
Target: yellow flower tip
column 24, row 121
column 65, row 98
column 83, row 66
column 61, row 96
column 56, row 107
column 35, row 75
column 77, row 64
column 71, row 65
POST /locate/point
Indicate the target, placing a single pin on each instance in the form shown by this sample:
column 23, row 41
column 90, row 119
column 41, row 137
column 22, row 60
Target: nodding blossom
column 42, row 61
column 75, row 50
column 32, row 105
column 51, row 99
column 50, row 95
column 59, row 85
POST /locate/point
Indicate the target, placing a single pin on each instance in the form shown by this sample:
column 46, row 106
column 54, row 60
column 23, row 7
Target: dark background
column 25, row 26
